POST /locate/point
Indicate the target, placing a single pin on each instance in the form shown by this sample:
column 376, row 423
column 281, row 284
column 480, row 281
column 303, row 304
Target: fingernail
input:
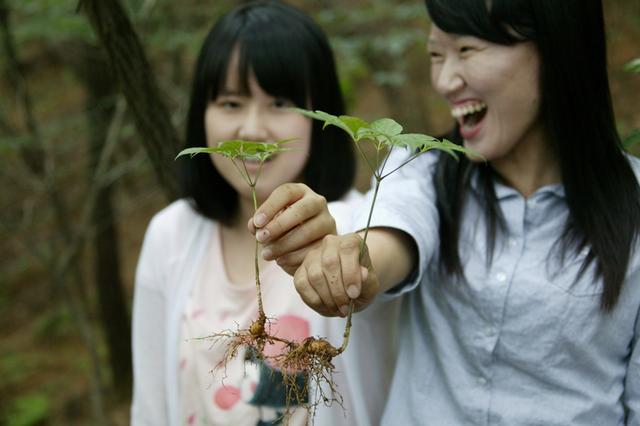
column 260, row 220
column 262, row 235
column 344, row 310
column 266, row 254
column 353, row 292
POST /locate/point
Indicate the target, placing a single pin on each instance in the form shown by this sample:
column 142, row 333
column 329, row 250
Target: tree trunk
column 91, row 67
column 129, row 65
column 35, row 158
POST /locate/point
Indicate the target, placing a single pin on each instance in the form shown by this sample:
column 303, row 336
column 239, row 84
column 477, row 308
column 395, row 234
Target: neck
column 530, row 167
column 245, row 211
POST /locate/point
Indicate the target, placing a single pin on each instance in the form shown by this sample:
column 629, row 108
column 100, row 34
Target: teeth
column 461, row 111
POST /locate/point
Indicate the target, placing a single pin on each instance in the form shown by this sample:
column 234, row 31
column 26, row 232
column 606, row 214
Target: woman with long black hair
column 520, row 272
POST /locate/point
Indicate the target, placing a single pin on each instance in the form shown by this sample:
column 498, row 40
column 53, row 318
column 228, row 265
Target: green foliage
column 242, row 150
column 385, row 133
column 633, row 66
column 55, row 323
column 632, row 140
column 15, row 368
column 29, row 410
column 48, row 21
column 245, row 150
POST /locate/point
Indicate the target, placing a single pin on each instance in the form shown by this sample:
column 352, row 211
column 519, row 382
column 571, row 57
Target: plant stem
column 363, row 242
column 261, row 315
column 366, row 229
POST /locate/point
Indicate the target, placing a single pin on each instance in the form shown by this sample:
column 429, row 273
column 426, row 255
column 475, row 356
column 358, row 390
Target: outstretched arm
column 297, row 230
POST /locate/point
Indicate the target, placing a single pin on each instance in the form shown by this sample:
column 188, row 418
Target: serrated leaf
column 240, row 149
column 367, row 133
column 412, row 140
column 328, row 119
column 450, row 148
column 354, row 123
column 387, row 127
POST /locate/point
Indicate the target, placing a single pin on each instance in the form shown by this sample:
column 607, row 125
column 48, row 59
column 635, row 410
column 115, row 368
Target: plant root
column 312, row 357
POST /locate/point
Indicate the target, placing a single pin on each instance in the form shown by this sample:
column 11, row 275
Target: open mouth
column 469, row 115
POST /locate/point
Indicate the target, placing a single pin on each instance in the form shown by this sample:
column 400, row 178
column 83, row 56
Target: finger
column 305, row 209
column 291, row 261
column 318, row 282
column 251, row 226
column 306, row 291
column 370, row 289
column 281, row 197
column 303, row 235
column 350, row 265
column 333, row 275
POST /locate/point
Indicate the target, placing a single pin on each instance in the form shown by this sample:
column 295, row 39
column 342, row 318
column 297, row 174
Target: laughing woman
column 519, row 276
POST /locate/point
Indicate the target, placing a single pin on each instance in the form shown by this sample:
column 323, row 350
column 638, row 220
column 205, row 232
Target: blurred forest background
column 79, row 185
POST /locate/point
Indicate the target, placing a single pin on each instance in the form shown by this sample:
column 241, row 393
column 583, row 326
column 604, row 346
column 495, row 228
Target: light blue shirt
column 520, row 342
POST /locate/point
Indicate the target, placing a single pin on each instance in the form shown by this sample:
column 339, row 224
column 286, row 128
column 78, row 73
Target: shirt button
column 501, row 277
column 513, row 242
column 490, row 331
column 482, row 381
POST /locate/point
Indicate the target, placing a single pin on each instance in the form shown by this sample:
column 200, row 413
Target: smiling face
column 256, row 116
column 493, row 91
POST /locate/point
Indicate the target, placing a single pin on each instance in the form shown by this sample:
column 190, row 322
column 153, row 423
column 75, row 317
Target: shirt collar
column 504, row 191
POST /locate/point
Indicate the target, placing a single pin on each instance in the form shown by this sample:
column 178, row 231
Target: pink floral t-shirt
column 210, row 396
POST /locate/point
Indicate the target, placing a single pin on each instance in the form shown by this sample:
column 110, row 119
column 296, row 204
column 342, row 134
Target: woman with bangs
column 519, row 273
column 195, row 275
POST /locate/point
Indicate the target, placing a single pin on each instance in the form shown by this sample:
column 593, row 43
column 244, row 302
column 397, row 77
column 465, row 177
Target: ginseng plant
column 313, row 356
column 296, row 358
column 384, row 134
column 239, row 151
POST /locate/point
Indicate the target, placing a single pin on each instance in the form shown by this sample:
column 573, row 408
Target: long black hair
column 291, row 58
column 601, row 189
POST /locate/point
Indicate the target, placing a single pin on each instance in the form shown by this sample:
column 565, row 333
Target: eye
column 435, row 56
column 467, row 49
column 282, row 103
column 229, row 104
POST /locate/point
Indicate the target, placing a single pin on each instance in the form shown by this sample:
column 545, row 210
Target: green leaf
column 329, row 119
column 412, row 140
column 354, row 123
column 387, row 127
column 633, row 66
column 240, row 149
column 451, row 148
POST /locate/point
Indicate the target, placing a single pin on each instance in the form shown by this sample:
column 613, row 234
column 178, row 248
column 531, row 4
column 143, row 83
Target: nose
column 253, row 126
column 447, row 77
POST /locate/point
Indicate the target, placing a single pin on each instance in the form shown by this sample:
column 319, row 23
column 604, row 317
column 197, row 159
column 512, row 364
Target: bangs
column 278, row 63
column 498, row 21
column 278, row 59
